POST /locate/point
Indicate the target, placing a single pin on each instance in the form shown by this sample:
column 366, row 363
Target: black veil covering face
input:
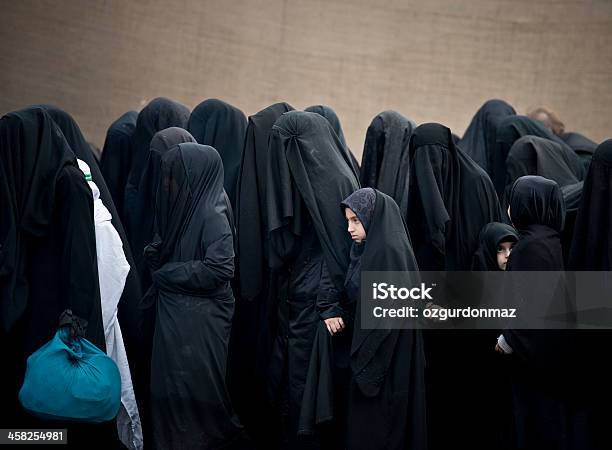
column 385, row 163
column 48, row 257
column 144, row 208
column 159, row 114
column 508, row 132
column 491, row 236
column 117, row 155
column 252, row 327
column 222, row 126
column 532, row 155
column 386, row 407
column 450, row 199
column 192, row 261
column 334, row 121
column 479, row 139
column 308, row 248
column 545, row 388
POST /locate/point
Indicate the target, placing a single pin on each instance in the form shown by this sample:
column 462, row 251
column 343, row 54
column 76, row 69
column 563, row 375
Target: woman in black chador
column 116, row 159
column 386, row 407
column 478, row 141
column 222, row 126
column 592, row 250
column 542, row 362
column 450, row 199
column 252, row 325
column 309, row 250
column 48, row 258
column 192, row 262
column 334, row 121
column 385, row 164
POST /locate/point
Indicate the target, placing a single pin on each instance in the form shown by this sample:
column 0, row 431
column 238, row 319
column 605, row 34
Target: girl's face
column 355, row 227
column 503, row 252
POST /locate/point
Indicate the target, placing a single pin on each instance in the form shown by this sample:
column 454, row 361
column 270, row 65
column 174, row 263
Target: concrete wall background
column 434, row 60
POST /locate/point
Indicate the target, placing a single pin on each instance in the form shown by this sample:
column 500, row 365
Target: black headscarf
column 131, row 292
column 117, row 156
column 362, row 203
column 451, row 198
column 33, row 153
column 305, row 155
column 582, row 145
column 162, row 142
column 251, row 219
column 508, row 132
column 478, row 141
column 222, row 126
column 536, row 200
column 491, row 236
column 592, row 242
column 159, row 114
column 385, row 163
column 334, row 121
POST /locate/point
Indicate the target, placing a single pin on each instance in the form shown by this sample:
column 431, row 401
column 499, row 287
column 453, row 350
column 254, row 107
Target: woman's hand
column 334, row 325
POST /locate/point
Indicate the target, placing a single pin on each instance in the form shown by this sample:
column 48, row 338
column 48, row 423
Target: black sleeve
column 80, row 285
column 328, row 297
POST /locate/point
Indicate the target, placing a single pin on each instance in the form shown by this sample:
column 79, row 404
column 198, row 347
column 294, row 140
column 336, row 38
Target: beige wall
column 435, row 60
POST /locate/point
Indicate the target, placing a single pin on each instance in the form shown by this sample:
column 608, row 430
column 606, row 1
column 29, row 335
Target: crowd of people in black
column 230, row 251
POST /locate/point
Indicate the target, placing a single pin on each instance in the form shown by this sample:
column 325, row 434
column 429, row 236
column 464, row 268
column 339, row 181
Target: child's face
column 355, row 227
column 503, row 252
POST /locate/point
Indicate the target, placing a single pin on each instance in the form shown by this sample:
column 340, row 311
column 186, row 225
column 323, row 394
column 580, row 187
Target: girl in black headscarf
column 48, row 257
column 117, row 157
column 385, row 162
column 222, row 126
column 250, row 342
column 495, row 245
column 386, row 408
column 192, row 261
column 334, row 121
column 159, row 114
column 543, row 388
column 308, row 249
column 478, row 141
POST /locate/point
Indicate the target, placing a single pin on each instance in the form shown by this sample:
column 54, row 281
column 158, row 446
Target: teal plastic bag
column 69, row 378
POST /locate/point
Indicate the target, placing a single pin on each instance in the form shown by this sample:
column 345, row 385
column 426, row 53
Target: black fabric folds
column 450, row 199
column 479, row 139
column 116, row 159
column 192, row 263
column 334, row 121
column 386, row 408
column 303, row 150
column 159, row 114
column 222, row 126
column 144, row 208
column 592, row 242
column 385, row 163
column 508, row 132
